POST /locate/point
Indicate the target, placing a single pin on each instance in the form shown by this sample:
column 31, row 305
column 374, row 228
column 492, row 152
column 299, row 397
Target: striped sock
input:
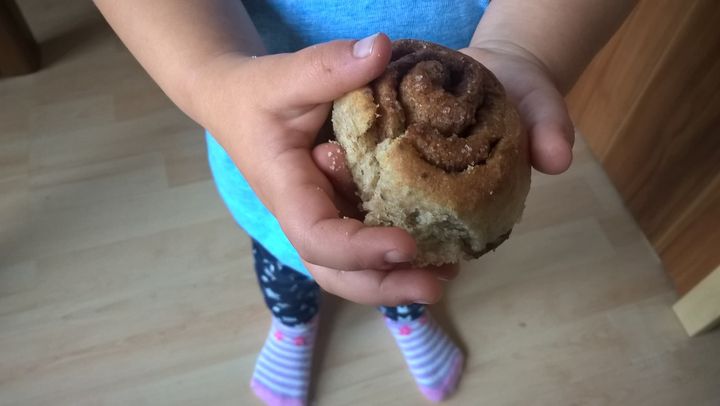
column 434, row 360
column 282, row 371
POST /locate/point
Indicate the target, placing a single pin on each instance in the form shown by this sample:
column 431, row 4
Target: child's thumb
column 324, row 72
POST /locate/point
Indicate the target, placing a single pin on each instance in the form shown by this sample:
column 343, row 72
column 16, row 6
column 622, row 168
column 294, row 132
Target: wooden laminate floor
column 123, row 280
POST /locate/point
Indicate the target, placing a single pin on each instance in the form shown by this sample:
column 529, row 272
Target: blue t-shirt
column 290, row 25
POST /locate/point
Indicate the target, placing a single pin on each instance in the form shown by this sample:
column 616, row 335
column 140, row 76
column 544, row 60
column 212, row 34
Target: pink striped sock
column 434, row 360
column 282, row 370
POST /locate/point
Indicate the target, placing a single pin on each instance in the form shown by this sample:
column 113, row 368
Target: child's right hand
column 267, row 112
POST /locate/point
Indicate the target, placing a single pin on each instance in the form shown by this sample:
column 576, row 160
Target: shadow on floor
column 73, row 39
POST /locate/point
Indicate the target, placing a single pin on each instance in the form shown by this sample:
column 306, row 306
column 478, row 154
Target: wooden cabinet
column 649, row 106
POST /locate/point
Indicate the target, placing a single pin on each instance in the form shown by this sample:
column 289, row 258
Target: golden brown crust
column 456, row 179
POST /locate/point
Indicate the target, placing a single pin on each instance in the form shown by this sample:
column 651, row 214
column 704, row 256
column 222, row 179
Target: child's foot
column 434, row 360
column 282, row 371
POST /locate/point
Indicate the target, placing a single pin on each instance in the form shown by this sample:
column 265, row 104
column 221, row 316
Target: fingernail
column 385, row 267
column 364, row 47
column 397, row 257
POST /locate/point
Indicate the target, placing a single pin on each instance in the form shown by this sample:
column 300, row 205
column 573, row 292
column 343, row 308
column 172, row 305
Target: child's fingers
column 330, row 158
column 550, row 149
column 301, row 198
column 322, row 73
column 445, row 272
column 550, row 128
column 387, row 288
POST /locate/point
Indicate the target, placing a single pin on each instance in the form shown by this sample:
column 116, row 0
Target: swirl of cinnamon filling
column 444, row 101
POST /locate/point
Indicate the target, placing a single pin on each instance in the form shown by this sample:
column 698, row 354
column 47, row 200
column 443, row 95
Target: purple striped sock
column 282, row 370
column 434, row 360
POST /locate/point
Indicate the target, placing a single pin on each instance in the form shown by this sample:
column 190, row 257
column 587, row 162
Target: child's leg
column 282, row 371
column 434, row 360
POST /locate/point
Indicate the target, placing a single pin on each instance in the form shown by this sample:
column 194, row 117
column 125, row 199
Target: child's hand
column 541, row 106
column 267, row 112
